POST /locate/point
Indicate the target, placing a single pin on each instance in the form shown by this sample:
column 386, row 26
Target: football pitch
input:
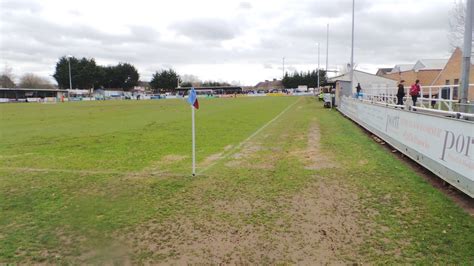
column 280, row 180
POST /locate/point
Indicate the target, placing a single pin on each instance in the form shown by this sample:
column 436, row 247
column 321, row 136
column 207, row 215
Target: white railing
column 431, row 97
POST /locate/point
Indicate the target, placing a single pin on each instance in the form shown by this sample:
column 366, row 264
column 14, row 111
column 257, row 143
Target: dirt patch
column 211, row 159
column 215, row 157
column 321, row 224
column 193, row 241
column 325, row 225
column 248, row 157
column 248, row 150
column 158, row 168
column 312, row 156
column 239, row 207
column 172, row 158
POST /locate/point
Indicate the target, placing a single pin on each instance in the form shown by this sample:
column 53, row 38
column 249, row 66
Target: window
column 445, row 91
column 455, row 89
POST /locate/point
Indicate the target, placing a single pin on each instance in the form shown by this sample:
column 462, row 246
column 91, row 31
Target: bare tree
column 347, row 68
column 456, row 23
column 7, row 78
column 191, row 79
column 33, row 81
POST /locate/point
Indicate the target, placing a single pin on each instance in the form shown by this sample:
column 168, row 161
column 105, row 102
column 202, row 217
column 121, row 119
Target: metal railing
column 442, row 97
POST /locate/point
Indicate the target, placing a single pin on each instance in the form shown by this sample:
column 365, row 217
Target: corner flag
column 192, row 99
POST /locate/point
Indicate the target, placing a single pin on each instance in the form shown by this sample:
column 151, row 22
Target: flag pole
column 194, row 142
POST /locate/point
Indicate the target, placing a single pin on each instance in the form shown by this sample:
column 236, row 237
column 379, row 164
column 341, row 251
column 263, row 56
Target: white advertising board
column 445, row 141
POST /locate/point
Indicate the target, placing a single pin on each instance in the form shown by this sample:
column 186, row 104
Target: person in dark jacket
column 358, row 89
column 400, row 92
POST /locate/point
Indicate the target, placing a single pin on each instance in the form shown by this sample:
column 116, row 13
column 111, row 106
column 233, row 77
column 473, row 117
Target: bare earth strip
column 320, row 223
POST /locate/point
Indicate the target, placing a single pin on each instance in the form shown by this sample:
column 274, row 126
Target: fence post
column 439, row 99
column 421, row 97
column 450, row 103
column 430, row 96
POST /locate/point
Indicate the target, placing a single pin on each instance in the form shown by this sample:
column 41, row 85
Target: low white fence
column 431, row 97
column 443, row 145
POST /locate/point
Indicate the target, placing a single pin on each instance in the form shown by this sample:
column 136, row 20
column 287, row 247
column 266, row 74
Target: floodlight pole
column 318, row 64
column 352, row 48
column 327, row 48
column 466, row 58
column 283, row 62
column 70, row 79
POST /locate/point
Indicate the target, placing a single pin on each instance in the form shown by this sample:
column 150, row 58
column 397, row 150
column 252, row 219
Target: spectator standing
column 415, row 91
column 400, row 92
column 358, row 89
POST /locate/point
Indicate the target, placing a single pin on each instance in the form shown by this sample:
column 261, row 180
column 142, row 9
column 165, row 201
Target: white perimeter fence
column 442, row 98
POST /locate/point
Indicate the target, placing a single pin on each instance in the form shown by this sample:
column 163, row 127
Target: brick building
column 433, row 72
column 451, row 74
column 425, row 70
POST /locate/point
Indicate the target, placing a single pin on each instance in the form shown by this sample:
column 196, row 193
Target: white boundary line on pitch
column 89, row 172
column 72, row 171
column 231, row 151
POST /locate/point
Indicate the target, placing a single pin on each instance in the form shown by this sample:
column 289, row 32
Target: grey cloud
column 75, row 12
column 206, row 29
column 382, row 38
column 45, row 32
column 245, row 5
column 335, row 8
column 21, row 5
column 267, row 66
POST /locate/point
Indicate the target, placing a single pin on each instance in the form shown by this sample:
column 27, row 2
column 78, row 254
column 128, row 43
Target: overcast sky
column 235, row 41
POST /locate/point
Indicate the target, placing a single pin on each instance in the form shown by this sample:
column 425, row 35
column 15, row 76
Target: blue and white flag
column 192, row 99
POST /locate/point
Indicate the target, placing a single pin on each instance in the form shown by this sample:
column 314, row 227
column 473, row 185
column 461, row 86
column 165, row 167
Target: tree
column 6, row 82
column 186, row 84
column 61, row 73
column 309, row 79
column 456, row 23
column 85, row 74
column 33, row 81
column 211, row 83
column 124, row 76
column 6, row 78
column 164, row 80
column 191, row 79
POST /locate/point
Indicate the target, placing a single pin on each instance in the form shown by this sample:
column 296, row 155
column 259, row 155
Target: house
column 434, row 72
column 451, row 75
column 425, row 70
column 402, row 68
column 383, row 71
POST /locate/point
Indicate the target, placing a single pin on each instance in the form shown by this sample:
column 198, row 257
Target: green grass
column 80, row 176
column 123, row 135
column 424, row 225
